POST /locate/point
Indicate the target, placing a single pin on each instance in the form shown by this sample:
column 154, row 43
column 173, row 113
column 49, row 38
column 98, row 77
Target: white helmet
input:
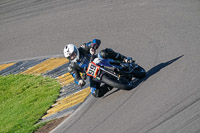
column 71, row 52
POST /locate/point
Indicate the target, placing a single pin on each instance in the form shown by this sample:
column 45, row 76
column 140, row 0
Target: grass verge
column 24, row 99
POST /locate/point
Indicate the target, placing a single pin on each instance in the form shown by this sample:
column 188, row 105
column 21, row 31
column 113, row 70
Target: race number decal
column 92, row 70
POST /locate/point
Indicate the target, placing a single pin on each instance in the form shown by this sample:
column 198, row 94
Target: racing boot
column 122, row 58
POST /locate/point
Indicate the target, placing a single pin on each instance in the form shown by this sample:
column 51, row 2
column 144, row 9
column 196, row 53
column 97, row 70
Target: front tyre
column 117, row 83
column 139, row 72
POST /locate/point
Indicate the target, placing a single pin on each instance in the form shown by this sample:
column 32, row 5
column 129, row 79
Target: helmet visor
column 73, row 55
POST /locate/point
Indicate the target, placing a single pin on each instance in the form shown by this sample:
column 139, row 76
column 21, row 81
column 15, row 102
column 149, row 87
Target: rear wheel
column 117, row 83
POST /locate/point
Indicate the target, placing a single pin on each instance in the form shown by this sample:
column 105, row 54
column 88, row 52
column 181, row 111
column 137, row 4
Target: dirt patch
column 51, row 125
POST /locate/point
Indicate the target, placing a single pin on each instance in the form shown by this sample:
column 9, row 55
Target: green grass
column 24, row 99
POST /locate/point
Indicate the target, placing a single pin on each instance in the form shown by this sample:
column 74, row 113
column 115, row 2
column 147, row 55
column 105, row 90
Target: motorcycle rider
column 80, row 58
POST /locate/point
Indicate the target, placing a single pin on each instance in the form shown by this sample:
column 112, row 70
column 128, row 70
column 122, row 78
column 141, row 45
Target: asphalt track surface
column 163, row 36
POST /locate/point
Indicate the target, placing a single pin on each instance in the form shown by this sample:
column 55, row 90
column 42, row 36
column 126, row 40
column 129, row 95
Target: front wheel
column 117, row 83
column 139, row 72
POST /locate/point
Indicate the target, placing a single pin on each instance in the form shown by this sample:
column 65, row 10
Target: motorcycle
column 115, row 73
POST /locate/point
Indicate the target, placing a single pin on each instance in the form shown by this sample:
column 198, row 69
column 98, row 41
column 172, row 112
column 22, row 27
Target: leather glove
column 81, row 82
column 129, row 60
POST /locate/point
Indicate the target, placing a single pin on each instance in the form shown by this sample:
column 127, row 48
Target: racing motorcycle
column 115, row 73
